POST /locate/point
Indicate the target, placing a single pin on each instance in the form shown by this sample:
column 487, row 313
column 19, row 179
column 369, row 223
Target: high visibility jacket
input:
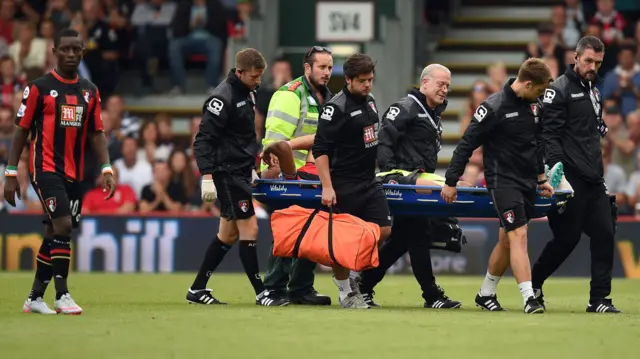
column 293, row 112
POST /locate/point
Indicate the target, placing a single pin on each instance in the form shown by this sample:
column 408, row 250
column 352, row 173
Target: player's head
column 359, row 71
column 68, row 50
column 318, row 64
column 250, row 66
column 588, row 57
column 435, row 81
column 535, row 77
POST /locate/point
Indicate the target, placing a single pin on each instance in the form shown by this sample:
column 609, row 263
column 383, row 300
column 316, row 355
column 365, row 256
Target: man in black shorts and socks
column 62, row 113
column 225, row 152
column 508, row 127
column 408, row 154
column 345, row 149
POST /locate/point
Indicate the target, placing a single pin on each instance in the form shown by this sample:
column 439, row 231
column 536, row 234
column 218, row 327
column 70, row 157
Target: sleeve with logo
column 95, row 117
column 554, row 116
column 29, row 106
column 482, row 122
column 214, row 120
column 395, row 122
column 328, row 133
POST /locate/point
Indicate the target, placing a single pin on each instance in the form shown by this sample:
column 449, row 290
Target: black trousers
column 410, row 234
column 589, row 211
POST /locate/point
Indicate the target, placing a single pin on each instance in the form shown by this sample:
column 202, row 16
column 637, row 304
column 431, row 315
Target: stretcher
column 403, row 199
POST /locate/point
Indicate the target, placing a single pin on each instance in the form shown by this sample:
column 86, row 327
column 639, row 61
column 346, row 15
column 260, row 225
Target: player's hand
column 547, row 190
column 11, row 189
column 254, row 176
column 328, row 196
column 108, row 184
column 449, row 194
column 208, row 191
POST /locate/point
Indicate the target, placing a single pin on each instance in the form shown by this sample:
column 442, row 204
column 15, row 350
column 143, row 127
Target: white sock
column 489, row 285
column 526, row 289
column 343, row 286
column 354, row 275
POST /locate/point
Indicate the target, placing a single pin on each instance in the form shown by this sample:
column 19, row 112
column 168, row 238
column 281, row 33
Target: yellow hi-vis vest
column 292, row 113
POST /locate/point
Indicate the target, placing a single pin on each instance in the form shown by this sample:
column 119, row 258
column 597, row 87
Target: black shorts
column 514, row 207
column 59, row 197
column 235, row 195
column 365, row 201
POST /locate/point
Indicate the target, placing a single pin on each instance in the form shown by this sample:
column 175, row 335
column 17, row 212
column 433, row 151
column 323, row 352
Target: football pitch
column 146, row 316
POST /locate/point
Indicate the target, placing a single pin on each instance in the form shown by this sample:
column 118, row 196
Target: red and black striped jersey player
column 60, row 112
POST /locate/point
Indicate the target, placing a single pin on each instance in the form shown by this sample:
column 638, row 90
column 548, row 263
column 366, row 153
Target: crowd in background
column 620, row 87
column 156, row 170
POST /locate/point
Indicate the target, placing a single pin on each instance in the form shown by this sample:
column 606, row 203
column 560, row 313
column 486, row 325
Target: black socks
column 249, row 259
column 212, row 259
column 44, row 270
column 60, row 260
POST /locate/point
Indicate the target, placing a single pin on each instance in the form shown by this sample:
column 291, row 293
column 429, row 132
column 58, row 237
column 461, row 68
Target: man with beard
column 572, row 129
column 408, row 154
column 291, row 124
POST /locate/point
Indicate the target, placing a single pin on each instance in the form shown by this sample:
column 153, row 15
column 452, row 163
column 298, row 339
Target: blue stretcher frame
column 403, row 199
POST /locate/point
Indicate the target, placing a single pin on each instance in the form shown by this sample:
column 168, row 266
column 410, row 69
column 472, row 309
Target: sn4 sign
column 344, row 21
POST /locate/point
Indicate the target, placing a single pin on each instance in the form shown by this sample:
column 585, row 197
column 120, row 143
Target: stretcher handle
column 397, row 186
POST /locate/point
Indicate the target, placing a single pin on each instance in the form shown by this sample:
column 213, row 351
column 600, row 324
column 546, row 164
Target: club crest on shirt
column 51, row 204
column 244, row 206
column 509, row 216
column 87, row 95
column 373, row 106
column 534, row 109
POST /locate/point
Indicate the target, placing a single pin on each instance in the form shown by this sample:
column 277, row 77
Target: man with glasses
column 291, row 124
column 408, row 154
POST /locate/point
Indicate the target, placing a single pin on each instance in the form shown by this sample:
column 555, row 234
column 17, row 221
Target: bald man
column 408, row 154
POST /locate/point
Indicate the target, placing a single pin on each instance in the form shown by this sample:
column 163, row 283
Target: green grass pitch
column 146, row 316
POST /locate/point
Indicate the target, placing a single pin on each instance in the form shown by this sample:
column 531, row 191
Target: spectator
column 29, row 10
column 123, row 200
column 619, row 145
column 633, row 127
column 103, row 49
column 623, row 82
column 164, row 136
column 612, row 23
column 479, row 92
column 280, row 75
column 637, row 41
column 48, row 32
column 6, row 133
column 136, row 174
column 183, row 176
column 547, row 46
column 151, row 22
column 59, row 14
column 566, row 35
column 615, row 179
column 28, row 52
column 575, row 15
column 10, row 81
column 113, row 141
column 633, row 187
column 162, row 194
column 553, row 65
column 497, row 73
column 199, row 27
column 7, row 12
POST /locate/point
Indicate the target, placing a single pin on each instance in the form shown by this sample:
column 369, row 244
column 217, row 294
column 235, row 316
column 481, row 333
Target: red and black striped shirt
column 60, row 114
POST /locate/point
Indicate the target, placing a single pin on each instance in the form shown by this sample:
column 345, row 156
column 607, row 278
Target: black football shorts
column 59, row 197
column 235, row 195
column 514, row 207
